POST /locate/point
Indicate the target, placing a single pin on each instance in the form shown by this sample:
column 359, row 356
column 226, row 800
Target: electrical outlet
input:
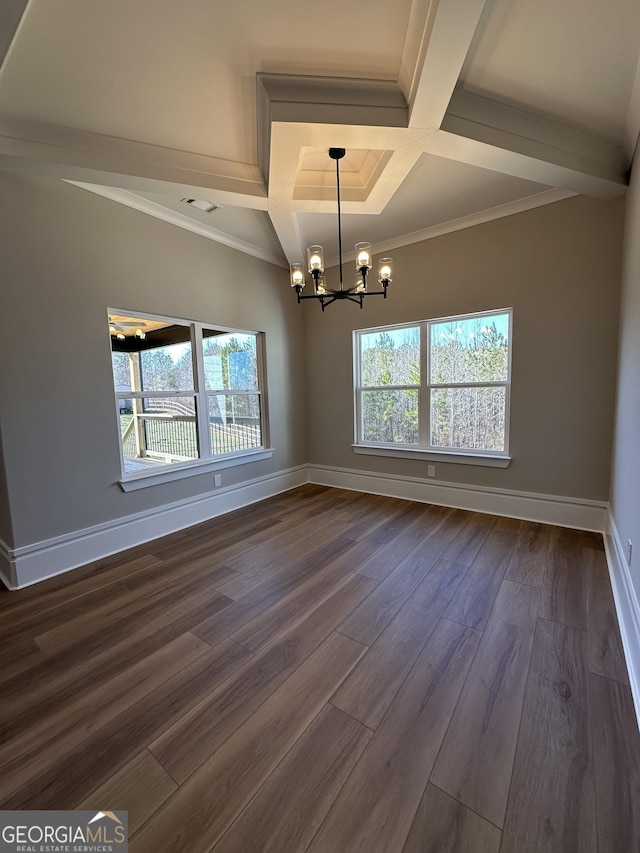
column 431, row 470
column 217, row 479
column 629, row 551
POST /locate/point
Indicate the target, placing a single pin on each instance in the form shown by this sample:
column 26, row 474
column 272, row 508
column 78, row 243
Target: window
column 186, row 394
column 437, row 386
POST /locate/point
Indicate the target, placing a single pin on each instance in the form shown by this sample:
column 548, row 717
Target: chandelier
column 315, row 264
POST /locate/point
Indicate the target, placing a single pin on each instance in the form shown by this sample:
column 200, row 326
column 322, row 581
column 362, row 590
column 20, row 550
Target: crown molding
column 498, row 212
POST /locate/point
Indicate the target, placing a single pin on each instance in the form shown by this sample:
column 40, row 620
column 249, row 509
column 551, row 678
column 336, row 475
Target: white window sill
column 458, row 457
column 169, row 473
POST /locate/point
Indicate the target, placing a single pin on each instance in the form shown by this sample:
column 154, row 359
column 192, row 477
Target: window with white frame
column 437, row 385
column 185, row 393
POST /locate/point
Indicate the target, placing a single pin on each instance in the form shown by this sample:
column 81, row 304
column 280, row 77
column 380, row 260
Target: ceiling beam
column 485, row 133
column 78, row 155
column 439, row 36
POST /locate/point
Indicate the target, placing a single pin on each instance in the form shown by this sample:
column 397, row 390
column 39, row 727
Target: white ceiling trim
column 448, row 32
column 64, row 152
column 498, row 212
column 159, row 212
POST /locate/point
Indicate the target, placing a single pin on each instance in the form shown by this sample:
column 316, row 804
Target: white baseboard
column 547, row 509
column 627, row 607
column 30, row 564
column 37, row 562
column 6, row 569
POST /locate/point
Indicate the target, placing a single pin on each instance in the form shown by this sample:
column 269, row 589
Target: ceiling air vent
column 201, row 204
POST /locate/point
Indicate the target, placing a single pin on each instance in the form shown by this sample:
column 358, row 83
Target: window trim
column 206, row 462
column 424, row 450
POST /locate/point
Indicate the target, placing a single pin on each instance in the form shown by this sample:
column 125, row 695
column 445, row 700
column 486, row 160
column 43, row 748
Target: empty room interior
column 320, row 423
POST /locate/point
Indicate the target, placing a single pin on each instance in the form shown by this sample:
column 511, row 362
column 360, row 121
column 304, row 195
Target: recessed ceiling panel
column 182, row 75
column 574, row 60
column 436, row 191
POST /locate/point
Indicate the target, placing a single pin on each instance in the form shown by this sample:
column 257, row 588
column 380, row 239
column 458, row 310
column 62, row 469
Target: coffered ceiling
column 452, row 112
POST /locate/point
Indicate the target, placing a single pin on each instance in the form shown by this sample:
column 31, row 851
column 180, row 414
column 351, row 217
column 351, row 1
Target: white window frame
column 423, row 449
column 207, row 460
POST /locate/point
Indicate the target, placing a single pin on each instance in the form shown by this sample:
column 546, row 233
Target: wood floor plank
column 18, row 655
column 616, row 749
column 241, row 612
column 413, row 535
column 563, row 589
column 183, row 747
column 287, row 811
column 77, row 670
column 140, row 788
column 510, row 525
column 473, row 600
column 443, row 825
column 369, row 690
column 202, row 809
column 380, row 509
column 122, row 607
column 471, row 538
column 22, row 756
column 40, row 601
column 552, row 805
column 374, row 811
column 453, row 522
column 66, row 779
column 50, row 618
column 529, row 558
column 395, row 524
column 606, row 654
column 476, row 759
column 167, row 573
column 292, row 529
column 293, row 607
column 385, row 558
column 268, row 561
column 369, row 620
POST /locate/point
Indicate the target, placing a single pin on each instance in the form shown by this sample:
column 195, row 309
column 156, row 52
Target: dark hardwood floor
column 332, row 672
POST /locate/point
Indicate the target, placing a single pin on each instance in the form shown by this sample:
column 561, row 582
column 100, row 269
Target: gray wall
column 558, row 266
column 625, row 486
column 67, row 255
column 6, row 528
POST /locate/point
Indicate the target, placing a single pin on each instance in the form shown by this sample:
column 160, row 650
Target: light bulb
column 113, row 330
column 384, row 272
column 363, row 255
column 120, row 336
column 297, row 275
column 315, row 260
